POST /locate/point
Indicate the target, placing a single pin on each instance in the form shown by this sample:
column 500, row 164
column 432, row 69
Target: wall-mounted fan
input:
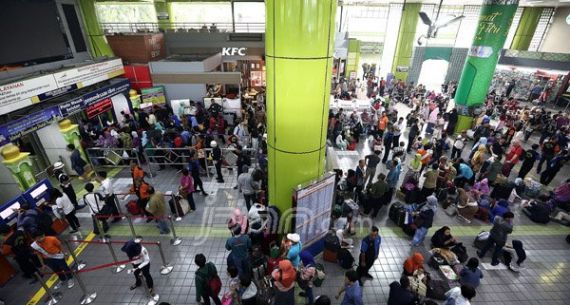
column 434, row 26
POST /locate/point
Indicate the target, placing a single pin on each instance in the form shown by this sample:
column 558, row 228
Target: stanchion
column 175, row 240
column 174, row 198
column 131, row 226
column 53, row 297
column 118, row 205
column 78, row 263
column 165, row 268
column 87, row 297
column 97, row 222
column 152, row 297
column 119, row 268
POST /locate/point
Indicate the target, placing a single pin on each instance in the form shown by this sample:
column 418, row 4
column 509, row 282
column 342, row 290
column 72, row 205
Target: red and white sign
column 21, row 94
column 101, row 106
column 90, row 74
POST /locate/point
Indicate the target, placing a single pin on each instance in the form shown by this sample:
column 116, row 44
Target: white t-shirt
column 142, row 259
column 106, row 187
column 65, row 204
column 95, row 202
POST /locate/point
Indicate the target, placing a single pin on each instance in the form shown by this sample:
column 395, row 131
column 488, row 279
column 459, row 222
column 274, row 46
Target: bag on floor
column 331, row 242
column 481, row 239
column 345, row 259
column 133, row 208
column 461, row 252
column 179, row 206
column 397, row 213
column 437, row 289
column 436, row 260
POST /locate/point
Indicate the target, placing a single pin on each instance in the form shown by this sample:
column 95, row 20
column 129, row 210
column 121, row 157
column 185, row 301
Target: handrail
column 196, row 27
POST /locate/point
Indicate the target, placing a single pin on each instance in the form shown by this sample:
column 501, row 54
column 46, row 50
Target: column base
column 464, row 122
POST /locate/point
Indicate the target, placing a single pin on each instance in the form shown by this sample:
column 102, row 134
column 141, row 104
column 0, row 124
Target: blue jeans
column 163, row 226
column 419, row 236
column 60, row 267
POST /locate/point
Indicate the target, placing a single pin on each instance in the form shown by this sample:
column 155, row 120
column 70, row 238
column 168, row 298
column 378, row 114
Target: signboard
column 234, row 51
column 20, row 127
column 21, row 94
column 78, row 103
column 89, row 74
column 101, row 106
column 154, row 95
column 313, row 209
column 24, row 93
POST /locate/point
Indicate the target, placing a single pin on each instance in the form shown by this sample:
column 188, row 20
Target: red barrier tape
column 131, row 216
column 111, row 241
column 92, row 268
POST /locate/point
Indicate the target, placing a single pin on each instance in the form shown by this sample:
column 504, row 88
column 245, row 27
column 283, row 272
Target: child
column 471, row 274
column 50, row 249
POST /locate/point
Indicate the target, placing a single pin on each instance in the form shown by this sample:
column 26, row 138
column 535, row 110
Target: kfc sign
column 233, row 51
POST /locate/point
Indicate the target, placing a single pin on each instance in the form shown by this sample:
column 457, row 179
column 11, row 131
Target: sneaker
column 57, row 286
column 520, row 267
column 513, row 268
column 205, row 194
column 70, row 284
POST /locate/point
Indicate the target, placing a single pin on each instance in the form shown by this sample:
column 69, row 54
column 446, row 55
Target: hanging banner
column 79, row 103
column 90, row 74
column 98, row 108
column 18, row 128
column 24, row 93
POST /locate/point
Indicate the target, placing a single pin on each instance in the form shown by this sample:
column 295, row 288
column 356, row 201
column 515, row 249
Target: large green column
column 406, row 39
column 527, row 27
column 353, row 58
column 163, row 14
column 98, row 45
column 299, row 42
column 494, row 22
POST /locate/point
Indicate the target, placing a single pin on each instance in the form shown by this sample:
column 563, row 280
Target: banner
column 78, row 103
column 90, row 74
column 98, row 108
column 18, row 128
column 24, row 93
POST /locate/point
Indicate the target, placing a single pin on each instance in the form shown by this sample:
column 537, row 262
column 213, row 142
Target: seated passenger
column 538, row 210
column 466, row 206
column 499, row 209
column 341, row 143
column 400, row 293
column 413, row 263
column 442, row 238
column 471, row 274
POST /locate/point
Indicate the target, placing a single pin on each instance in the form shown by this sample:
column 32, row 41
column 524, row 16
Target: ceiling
column 545, row 3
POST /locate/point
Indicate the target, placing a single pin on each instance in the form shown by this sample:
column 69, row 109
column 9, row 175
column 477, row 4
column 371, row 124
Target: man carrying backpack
column 369, row 249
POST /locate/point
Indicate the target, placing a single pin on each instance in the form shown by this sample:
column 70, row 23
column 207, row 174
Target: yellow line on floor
column 37, row 298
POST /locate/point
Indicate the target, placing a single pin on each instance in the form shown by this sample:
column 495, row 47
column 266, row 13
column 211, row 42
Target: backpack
column 320, row 276
column 345, row 259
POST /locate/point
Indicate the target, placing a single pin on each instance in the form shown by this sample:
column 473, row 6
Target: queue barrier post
column 166, row 268
column 118, row 205
column 131, row 226
column 88, row 297
column 175, row 199
column 97, row 222
column 118, row 268
column 175, row 240
column 53, row 297
column 78, row 263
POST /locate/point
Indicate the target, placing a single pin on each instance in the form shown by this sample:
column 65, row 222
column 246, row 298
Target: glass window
column 541, row 28
column 468, row 26
column 365, row 23
column 513, row 29
column 109, row 12
column 203, row 12
column 249, row 12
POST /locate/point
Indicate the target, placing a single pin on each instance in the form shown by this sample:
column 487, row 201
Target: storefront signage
column 32, row 122
column 77, row 104
column 24, row 93
column 234, row 51
column 154, row 95
column 98, row 108
column 21, row 94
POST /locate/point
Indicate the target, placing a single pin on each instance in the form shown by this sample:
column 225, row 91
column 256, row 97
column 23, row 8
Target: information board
column 313, row 208
column 154, row 95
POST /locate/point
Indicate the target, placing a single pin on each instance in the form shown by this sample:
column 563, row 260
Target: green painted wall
column 353, row 57
column 161, row 6
column 527, row 27
column 299, row 46
column 98, row 45
column 405, row 42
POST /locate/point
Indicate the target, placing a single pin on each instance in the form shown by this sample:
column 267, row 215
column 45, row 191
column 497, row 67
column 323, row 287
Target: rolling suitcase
column 397, row 213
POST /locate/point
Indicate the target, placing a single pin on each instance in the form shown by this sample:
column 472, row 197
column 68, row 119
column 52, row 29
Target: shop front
column 250, row 63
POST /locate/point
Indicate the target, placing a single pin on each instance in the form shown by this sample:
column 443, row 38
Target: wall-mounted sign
column 78, row 103
column 21, row 94
column 154, row 95
column 402, row 69
column 234, row 51
column 32, row 122
column 98, row 108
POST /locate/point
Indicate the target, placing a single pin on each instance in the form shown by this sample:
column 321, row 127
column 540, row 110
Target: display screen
column 31, row 32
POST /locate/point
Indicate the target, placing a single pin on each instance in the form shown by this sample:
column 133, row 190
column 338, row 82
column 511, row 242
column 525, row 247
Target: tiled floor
column 546, row 279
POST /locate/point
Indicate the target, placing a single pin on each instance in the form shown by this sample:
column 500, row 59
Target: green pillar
column 406, row 39
column 494, row 22
column 527, row 27
column 299, row 47
column 20, row 166
column 98, row 45
column 163, row 14
column 353, row 57
column 71, row 135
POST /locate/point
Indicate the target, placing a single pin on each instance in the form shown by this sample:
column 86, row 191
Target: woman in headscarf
column 284, row 280
column 414, row 169
column 481, row 189
column 424, row 220
column 478, row 158
column 482, row 141
column 237, row 220
column 466, row 206
column 413, row 263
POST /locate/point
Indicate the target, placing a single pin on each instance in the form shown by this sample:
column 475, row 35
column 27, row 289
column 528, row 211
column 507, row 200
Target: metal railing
column 189, row 27
column 111, row 157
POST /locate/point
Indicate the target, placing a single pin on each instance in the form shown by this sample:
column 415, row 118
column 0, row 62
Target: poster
column 154, row 95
